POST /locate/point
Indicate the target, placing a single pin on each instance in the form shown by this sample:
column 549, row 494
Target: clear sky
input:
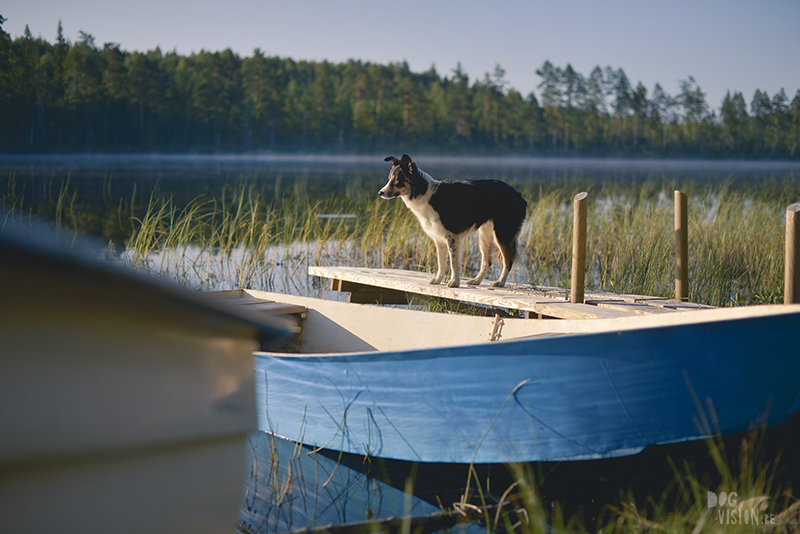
column 736, row 45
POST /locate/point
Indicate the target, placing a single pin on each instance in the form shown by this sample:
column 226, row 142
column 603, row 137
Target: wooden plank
column 672, row 304
column 637, row 308
column 416, row 282
column 650, row 301
column 569, row 310
column 534, row 301
column 511, row 297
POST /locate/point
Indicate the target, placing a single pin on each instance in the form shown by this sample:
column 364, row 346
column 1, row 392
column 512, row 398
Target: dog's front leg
column 454, row 249
column 441, row 258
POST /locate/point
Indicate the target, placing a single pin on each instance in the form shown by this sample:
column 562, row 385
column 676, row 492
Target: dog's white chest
column 428, row 217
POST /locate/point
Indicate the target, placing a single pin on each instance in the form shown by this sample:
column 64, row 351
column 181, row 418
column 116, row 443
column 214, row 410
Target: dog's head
column 402, row 178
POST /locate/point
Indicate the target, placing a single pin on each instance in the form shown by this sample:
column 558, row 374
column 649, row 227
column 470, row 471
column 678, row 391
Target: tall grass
column 246, row 236
column 735, row 242
column 735, row 237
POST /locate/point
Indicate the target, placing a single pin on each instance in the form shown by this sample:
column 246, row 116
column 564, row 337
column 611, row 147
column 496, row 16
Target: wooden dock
column 391, row 286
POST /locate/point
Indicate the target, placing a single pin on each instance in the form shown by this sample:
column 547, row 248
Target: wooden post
column 578, row 248
column 681, row 248
column 791, row 278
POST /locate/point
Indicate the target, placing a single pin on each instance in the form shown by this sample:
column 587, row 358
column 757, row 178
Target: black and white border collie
column 451, row 211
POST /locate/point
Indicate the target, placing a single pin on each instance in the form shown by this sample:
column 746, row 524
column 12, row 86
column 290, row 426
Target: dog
column 451, row 211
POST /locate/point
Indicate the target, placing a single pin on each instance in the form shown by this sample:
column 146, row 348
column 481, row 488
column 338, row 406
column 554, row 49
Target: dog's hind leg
column 508, row 250
column 441, row 258
column 485, row 245
column 454, row 248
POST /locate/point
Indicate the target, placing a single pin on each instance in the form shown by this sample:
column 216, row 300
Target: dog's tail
column 508, row 227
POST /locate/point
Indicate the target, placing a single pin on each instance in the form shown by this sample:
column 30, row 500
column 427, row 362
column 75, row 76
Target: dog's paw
column 498, row 283
column 453, row 283
column 435, row 280
column 473, row 282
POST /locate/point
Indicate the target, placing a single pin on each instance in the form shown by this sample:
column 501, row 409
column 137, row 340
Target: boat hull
column 568, row 397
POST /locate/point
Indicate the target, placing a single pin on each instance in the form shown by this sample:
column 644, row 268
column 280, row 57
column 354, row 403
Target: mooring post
column 681, row 248
column 578, row 248
column 791, row 281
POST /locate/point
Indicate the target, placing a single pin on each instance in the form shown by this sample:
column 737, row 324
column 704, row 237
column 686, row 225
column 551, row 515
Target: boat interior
column 320, row 326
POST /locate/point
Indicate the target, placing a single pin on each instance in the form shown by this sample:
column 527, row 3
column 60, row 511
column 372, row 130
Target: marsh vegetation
column 263, row 233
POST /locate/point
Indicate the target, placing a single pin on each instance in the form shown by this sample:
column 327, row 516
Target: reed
column 264, row 237
column 735, row 237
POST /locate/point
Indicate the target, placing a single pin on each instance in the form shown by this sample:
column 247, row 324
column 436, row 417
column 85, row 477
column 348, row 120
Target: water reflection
column 289, row 487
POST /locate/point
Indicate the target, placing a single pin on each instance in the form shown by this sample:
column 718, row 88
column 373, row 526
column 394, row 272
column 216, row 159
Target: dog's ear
column 393, row 159
column 409, row 167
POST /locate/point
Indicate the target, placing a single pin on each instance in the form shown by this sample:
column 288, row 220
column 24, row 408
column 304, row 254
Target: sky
column 726, row 45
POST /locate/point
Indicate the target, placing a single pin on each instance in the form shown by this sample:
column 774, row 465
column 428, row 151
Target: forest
column 82, row 97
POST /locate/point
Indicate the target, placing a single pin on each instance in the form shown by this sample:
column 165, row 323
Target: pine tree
column 6, row 80
column 733, row 115
column 779, row 107
column 760, row 108
column 621, row 90
column 639, row 107
column 572, row 85
column 550, row 88
column 460, row 104
column 794, row 131
column 693, row 101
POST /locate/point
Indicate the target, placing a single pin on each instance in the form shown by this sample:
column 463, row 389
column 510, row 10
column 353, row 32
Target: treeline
column 66, row 96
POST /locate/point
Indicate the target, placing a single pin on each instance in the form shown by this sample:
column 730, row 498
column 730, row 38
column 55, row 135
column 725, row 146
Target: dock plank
column 365, row 284
column 633, row 307
column 568, row 310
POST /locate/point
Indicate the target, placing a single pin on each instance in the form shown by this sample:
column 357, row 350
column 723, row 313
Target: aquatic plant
column 264, row 237
column 735, row 238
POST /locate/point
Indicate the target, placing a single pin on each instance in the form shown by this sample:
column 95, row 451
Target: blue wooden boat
column 407, row 388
